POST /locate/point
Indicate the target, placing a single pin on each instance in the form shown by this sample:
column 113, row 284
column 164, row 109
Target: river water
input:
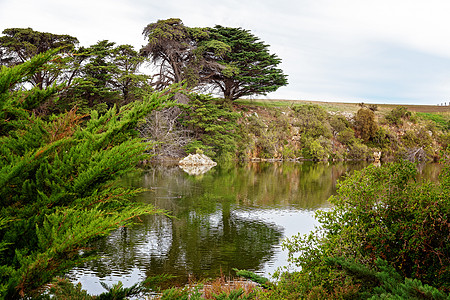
column 233, row 216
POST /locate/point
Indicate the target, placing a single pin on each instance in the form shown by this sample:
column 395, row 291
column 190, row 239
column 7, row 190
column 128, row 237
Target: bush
column 268, row 138
column 378, row 213
column 338, row 123
column 396, row 116
column 444, row 139
column 365, row 124
column 316, row 149
column 312, row 121
column 417, row 138
column 58, row 180
column 215, row 127
column 383, row 138
column 346, row 136
column 357, row 150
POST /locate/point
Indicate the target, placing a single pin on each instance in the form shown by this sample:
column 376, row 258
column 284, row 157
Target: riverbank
column 306, row 130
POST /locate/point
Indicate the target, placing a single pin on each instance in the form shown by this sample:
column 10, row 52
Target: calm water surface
column 231, row 217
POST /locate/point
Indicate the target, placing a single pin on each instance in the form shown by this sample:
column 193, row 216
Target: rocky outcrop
column 196, row 164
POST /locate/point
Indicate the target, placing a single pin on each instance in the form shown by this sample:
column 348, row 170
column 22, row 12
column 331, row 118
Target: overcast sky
column 383, row 51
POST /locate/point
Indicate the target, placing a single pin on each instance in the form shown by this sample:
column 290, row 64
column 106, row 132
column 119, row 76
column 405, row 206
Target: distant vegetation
column 302, row 130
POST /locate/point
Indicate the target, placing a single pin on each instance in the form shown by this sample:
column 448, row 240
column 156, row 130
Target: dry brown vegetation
column 224, row 285
column 343, row 106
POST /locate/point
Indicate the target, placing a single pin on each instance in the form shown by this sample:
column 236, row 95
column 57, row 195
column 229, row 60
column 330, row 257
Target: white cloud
column 347, row 49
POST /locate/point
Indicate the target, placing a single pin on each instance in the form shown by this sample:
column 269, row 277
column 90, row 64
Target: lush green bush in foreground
column 384, row 227
column 57, row 176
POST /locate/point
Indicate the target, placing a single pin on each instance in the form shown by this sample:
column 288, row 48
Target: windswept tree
column 249, row 68
column 230, row 61
column 182, row 54
column 18, row 45
column 171, row 48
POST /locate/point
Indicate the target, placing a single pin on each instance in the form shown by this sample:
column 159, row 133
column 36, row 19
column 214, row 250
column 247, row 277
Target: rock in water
column 196, row 164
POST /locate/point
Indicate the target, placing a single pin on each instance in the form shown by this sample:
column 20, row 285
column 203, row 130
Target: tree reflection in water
column 209, row 231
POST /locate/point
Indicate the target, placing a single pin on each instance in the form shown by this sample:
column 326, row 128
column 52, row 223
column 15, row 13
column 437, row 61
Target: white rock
column 196, row 164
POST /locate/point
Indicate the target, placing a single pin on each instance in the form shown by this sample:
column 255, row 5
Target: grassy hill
column 345, row 107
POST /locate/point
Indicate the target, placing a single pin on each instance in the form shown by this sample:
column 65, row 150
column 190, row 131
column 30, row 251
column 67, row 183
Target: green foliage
column 378, row 213
column 21, row 44
column 231, row 61
column 417, row 138
column 107, row 75
column 444, row 139
column 195, row 294
column 338, row 123
column 266, row 137
column 63, row 289
column 357, row 150
column 175, row 49
column 214, row 126
column 57, row 182
column 263, row 281
column 312, row 121
column 314, row 130
column 384, row 282
column 365, row 124
column 181, row 294
column 384, row 139
column 97, row 77
column 316, row 149
column 346, row 136
column 233, row 295
column 397, row 115
column 441, row 121
column 248, row 67
column 14, row 107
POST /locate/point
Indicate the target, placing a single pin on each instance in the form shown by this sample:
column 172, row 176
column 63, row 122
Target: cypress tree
column 58, row 179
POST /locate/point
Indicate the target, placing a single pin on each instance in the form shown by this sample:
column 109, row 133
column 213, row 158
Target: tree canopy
column 106, row 74
column 170, row 46
column 231, row 61
column 249, row 68
column 18, row 45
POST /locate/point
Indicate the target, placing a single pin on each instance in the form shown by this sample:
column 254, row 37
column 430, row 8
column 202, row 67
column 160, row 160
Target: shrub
column 444, row 139
column 312, row 121
column 382, row 138
column 365, row 124
column 346, row 136
column 417, row 138
column 338, row 123
column 268, row 137
column 316, row 149
column 215, row 127
column 357, row 150
column 379, row 212
column 396, row 116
